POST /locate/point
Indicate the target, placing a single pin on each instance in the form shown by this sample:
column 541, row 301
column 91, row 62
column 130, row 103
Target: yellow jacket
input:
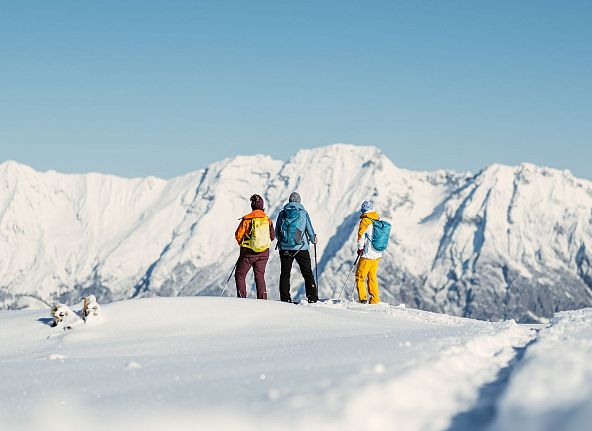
column 365, row 234
column 365, row 221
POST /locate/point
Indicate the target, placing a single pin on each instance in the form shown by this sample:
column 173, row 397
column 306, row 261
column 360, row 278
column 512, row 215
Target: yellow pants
column 367, row 269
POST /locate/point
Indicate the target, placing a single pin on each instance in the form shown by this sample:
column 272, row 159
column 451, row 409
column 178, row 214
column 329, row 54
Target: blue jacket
column 309, row 231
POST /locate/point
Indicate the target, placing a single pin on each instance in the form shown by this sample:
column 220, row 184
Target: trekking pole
column 316, row 265
column 229, row 277
column 348, row 276
column 350, row 297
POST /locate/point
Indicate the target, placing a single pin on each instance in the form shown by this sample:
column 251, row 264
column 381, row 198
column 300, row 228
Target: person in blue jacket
column 295, row 233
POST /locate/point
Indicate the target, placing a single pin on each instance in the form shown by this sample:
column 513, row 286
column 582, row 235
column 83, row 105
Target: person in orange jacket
column 369, row 257
column 254, row 235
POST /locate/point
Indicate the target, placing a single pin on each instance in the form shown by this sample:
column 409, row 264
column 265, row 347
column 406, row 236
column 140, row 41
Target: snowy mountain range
column 507, row 242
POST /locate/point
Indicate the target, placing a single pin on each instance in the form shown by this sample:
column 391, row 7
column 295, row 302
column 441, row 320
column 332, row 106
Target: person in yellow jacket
column 369, row 257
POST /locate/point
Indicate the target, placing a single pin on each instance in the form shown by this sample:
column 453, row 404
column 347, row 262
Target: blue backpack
column 381, row 231
column 292, row 229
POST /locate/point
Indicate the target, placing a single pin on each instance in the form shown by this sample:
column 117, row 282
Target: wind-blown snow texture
column 234, row 364
column 508, row 242
column 552, row 389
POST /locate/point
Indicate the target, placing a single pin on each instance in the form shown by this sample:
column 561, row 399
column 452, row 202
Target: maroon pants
column 246, row 260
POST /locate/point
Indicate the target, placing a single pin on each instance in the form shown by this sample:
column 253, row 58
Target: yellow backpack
column 258, row 239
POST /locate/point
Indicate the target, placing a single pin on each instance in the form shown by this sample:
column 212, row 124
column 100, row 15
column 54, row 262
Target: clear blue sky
column 165, row 87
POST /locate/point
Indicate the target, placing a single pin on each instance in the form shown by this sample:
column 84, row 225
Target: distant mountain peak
column 12, row 166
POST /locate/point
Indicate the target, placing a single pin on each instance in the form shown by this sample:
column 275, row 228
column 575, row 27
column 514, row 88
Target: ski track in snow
column 221, row 363
column 552, row 387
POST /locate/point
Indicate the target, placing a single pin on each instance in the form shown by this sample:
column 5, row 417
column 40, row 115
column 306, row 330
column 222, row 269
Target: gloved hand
column 360, row 251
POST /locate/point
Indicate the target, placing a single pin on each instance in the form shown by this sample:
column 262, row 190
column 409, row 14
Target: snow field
column 427, row 396
column 552, row 388
column 222, row 363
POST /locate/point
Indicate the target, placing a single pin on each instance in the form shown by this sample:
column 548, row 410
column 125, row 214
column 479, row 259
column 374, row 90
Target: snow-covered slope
column 508, row 242
column 235, row 364
column 552, row 389
column 225, row 363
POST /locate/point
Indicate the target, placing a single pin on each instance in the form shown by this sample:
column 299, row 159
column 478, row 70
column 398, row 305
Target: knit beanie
column 366, row 206
column 257, row 203
column 295, row 197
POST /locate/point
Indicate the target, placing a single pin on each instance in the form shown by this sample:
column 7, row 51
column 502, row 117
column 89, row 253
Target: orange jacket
column 244, row 226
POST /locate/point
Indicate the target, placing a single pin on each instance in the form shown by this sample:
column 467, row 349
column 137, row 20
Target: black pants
column 303, row 260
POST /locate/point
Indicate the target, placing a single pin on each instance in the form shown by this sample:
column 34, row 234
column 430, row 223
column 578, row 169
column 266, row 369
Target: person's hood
column 294, row 205
column 255, row 214
column 371, row 215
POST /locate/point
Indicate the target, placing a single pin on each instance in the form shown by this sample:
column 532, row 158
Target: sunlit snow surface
column 222, row 363
column 552, row 389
